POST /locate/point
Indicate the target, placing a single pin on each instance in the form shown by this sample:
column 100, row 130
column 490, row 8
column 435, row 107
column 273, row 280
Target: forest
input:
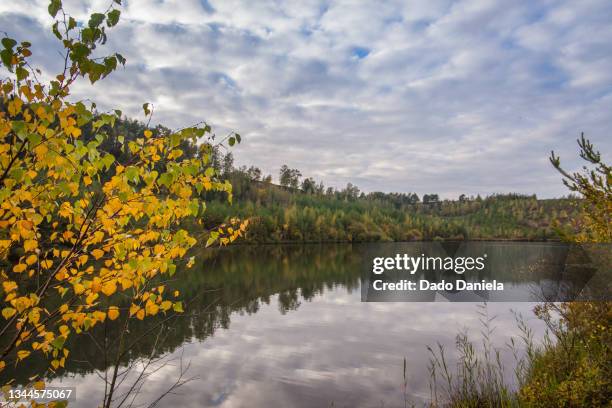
column 301, row 209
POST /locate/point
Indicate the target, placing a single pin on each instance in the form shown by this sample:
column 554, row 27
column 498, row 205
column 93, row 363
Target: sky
column 430, row 96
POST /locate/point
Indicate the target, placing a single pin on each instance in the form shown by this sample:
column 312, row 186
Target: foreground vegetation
column 573, row 365
column 87, row 216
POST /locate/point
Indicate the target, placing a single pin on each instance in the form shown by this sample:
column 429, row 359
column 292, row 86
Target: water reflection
column 284, row 326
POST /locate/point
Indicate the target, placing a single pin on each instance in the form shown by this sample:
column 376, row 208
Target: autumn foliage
column 78, row 227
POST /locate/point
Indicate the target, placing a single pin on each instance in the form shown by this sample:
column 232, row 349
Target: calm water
column 284, row 326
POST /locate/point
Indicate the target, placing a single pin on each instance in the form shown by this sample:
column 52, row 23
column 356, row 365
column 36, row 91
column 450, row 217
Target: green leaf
column 8, row 43
column 87, row 35
column 145, row 108
column 175, row 139
column 232, row 141
column 238, row 138
column 58, row 343
column 132, row 173
column 71, row 23
column 108, row 160
column 19, row 127
column 17, row 174
column 194, row 206
column 22, row 73
column 34, row 139
column 110, row 63
column 55, row 30
column 79, row 51
column 165, row 180
column 7, row 57
column 213, row 237
column 178, row 307
column 150, row 177
column 54, row 7
column 95, row 20
column 171, row 269
column 113, row 17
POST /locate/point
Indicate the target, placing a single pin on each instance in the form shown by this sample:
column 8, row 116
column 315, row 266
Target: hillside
column 299, row 209
column 290, row 214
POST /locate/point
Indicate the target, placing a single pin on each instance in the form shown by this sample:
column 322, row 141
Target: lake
column 284, row 326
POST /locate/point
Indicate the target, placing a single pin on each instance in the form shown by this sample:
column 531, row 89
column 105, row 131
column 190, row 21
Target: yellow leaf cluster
column 85, row 224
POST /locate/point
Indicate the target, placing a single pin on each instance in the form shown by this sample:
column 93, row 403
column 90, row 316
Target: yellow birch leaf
column 97, row 253
column 21, row 354
column 83, row 259
column 34, row 316
column 91, row 298
column 100, row 316
column 96, row 285
column 133, row 309
column 46, row 264
column 9, row 286
column 126, row 283
column 30, row 245
column 109, row 288
column 151, row 308
column 8, row 312
column 113, row 312
column 19, row 268
column 31, row 260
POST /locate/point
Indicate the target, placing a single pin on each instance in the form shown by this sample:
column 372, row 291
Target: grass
column 571, row 367
column 478, row 378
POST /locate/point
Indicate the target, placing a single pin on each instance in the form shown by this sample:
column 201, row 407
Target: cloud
column 438, row 96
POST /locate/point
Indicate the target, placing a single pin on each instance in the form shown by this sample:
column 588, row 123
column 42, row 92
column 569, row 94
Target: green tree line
column 301, row 209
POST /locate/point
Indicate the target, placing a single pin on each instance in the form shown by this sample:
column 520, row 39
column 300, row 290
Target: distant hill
column 290, row 214
column 299, row 209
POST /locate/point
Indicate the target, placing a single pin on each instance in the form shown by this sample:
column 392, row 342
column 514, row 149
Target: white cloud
column 447, row 97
